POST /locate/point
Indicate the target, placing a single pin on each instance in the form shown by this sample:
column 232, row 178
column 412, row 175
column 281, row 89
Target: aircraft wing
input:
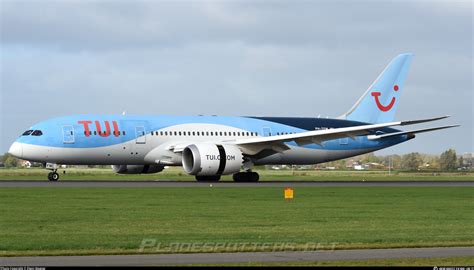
column 252, row 146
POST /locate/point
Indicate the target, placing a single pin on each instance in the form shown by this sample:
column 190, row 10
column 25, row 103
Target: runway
column 244, row 257
column 165, row 183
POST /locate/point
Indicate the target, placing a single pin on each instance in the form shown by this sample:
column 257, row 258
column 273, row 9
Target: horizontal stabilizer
column 376, row 137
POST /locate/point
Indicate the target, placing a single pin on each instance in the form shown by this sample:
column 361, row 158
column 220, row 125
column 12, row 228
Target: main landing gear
column 246, row 177
column 208, row 178
column 238, row 177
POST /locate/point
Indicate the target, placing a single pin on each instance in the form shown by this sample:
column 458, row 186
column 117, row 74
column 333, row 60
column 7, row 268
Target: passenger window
column 123, row 133
column 95, row 132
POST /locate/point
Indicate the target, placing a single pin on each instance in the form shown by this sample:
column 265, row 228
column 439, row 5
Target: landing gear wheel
column 246, row 177
column 255, row 177
column 53, row 176
column 208, row 178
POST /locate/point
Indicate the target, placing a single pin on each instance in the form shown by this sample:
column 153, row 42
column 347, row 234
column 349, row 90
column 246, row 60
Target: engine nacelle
column 212, row 159
column 137, row 169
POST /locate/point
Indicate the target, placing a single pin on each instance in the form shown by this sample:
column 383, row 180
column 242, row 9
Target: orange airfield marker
column 289, row 193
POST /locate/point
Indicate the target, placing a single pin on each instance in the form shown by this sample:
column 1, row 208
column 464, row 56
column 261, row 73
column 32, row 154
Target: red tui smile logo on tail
column 379, row 105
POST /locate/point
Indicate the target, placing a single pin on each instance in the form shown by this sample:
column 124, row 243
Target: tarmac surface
column 244, row 257
column 167, row 183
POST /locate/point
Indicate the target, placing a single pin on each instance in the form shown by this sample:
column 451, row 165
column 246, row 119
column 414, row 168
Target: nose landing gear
column 53, row 176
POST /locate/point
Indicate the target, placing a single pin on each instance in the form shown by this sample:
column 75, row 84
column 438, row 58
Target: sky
column 262, row 58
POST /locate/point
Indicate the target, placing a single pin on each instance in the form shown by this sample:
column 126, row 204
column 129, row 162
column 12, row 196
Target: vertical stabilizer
column 379, row 103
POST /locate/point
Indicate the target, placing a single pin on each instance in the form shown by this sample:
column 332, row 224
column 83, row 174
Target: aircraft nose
column 16, row 149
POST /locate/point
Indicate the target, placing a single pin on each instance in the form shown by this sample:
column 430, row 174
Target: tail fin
column 380, row 101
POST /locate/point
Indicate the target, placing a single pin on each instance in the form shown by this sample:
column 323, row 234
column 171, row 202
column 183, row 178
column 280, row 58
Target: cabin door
column 68, row 134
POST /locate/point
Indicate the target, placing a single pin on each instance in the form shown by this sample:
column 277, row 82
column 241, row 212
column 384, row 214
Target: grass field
column 177, row 173
column 54, row 221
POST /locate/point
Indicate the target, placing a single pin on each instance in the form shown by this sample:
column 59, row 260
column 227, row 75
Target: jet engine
column 206, row 159
column 137, row 169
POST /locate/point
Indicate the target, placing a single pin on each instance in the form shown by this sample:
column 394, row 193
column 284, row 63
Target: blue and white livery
column 211, row 146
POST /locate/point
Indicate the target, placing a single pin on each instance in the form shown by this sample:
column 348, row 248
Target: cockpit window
column 37, row 133
column 26, row 133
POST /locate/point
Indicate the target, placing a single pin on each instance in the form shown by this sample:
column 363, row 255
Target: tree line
column 447, row 161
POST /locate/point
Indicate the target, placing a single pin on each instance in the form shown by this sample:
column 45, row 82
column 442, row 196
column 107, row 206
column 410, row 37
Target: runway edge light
column 289, row 193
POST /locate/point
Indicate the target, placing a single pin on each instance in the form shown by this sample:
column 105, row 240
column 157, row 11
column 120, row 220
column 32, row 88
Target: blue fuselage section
column 93, row 131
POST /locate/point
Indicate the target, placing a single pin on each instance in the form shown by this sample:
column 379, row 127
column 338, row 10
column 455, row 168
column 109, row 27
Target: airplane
column 211, row 146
